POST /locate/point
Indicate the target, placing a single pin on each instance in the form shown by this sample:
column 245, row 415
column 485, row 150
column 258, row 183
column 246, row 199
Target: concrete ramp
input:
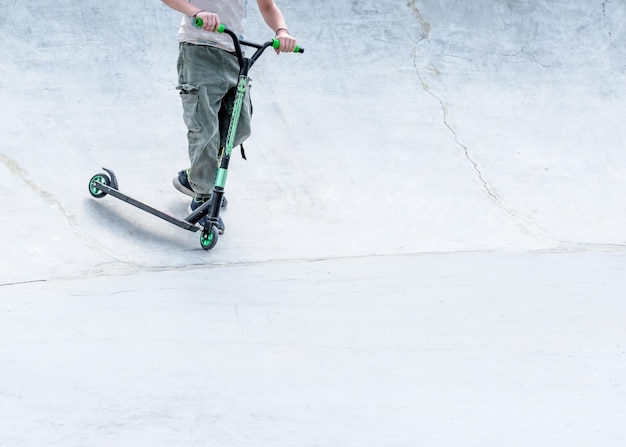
column 424, row 248
column 419, row 127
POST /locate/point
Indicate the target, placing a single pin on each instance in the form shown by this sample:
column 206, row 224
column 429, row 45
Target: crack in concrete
column 426, row 29
column 610, row 30
column 20, row 173
column 446, row 123
column 424, row 25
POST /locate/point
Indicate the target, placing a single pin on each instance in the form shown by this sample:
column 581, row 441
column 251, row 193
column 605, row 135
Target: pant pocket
column 189, row 97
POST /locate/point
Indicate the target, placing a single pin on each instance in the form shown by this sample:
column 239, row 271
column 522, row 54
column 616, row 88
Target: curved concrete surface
column 425, row 246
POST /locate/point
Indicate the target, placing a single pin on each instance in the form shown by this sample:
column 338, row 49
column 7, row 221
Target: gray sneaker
column 181, row 183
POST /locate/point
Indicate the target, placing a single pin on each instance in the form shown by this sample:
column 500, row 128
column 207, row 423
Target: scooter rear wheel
column 93, row 188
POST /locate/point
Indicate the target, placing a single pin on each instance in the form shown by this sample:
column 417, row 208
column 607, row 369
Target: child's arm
column 210, row 20
column 275, row 20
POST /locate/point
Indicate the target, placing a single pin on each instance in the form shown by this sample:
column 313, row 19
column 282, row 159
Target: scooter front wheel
column 208, row 237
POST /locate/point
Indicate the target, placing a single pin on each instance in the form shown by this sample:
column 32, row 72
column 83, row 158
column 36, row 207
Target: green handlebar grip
column 198, row 22
column 276, row 44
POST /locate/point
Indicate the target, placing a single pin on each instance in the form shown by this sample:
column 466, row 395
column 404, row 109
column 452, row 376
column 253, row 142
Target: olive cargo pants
column 207, row 78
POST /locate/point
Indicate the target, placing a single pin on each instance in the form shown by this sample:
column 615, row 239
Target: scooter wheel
column 93, row 187
column 208, row 238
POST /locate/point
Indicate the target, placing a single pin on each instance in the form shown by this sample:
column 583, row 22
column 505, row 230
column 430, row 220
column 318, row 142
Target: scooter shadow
column 128, row 223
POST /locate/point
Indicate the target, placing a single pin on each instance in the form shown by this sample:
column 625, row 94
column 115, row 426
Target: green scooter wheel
column 208, row 238
column 93, row 187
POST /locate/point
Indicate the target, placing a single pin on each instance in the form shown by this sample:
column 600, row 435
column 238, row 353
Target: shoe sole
column 182, row 188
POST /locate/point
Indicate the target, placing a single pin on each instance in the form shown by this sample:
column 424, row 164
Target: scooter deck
column 131, row 201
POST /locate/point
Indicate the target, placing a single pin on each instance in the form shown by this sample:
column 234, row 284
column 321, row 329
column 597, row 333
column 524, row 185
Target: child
column 208, row 72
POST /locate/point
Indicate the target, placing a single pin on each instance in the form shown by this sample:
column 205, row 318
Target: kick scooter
column 103, row 184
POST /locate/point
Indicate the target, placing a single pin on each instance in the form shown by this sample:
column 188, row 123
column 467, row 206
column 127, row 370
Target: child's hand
column 210, row 20
column 287, row 42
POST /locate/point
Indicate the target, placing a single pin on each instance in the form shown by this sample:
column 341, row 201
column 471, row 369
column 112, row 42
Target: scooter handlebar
column 221, row 28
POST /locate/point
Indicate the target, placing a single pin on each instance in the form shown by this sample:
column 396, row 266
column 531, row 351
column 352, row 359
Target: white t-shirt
column 231, row 14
